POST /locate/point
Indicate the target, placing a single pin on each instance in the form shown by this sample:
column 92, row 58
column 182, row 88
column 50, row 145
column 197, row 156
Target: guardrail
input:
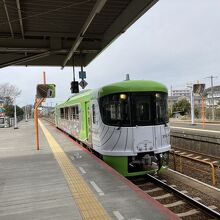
column 181, row 165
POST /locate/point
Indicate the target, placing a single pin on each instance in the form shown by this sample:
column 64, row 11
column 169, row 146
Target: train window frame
column 108, row 113
column 135, row 121
column 132, row 111
column 164, row 118
column 71, row 113
column 66, row 113
column 74, row 112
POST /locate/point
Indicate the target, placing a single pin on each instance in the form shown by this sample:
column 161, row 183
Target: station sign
column 46, row 90
column 82, row 74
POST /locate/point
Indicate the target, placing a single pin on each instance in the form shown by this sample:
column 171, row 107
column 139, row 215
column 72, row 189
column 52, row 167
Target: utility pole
column 26, row 118
column 213, row 111
column 190, row 86
column 192, row 107
column 212, row 94
column 171, row 100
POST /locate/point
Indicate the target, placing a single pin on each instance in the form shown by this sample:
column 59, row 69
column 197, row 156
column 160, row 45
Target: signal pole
column 190, row 86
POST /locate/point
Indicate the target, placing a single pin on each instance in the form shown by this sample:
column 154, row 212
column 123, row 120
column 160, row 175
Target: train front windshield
column 131, row 109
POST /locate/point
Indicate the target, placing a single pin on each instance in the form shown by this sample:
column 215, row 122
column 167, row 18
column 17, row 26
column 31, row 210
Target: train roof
column 132, row 86
column 125, row 86
column 82, row 96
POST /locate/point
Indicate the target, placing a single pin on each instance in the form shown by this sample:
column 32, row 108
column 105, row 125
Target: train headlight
column 123, row 96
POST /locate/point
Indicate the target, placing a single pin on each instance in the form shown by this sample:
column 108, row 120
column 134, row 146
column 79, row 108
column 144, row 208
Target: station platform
column 64, row 181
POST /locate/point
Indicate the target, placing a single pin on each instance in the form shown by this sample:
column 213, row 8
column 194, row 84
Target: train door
column 88, row 122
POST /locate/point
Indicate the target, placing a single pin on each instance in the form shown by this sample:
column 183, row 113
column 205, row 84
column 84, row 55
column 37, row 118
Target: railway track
column 177, row 201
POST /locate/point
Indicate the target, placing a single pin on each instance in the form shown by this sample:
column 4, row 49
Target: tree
column 9, row 111
column 8, row 92
column 182, row 105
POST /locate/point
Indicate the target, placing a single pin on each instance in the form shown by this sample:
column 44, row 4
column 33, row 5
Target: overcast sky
column 176, row 42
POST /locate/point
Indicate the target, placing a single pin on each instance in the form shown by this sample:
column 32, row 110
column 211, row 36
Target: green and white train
column 126, row 123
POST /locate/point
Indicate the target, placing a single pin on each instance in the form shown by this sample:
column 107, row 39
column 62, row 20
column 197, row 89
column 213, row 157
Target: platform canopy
column 49, row 32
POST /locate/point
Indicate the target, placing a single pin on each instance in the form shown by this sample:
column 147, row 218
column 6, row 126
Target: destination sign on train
column 46, row 90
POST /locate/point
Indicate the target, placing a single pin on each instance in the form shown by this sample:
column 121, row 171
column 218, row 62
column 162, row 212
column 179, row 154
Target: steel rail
column 192, row 201
column 192, row 151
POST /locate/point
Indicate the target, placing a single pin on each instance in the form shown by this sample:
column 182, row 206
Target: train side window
column 77, row 112
column 71, row 113
column 61, row 113
column 93, row 114
column 66, row 113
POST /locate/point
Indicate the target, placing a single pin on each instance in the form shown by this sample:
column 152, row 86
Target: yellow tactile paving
column 90, row 208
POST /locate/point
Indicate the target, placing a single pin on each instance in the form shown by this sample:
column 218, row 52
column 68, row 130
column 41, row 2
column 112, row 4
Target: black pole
column 74, row 79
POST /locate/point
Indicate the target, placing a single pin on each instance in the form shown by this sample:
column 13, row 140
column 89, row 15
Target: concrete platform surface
column 33, row 185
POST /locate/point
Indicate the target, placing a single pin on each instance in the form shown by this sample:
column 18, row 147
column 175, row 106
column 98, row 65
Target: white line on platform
column 197, row 157
column 188, row 213
column 194, row 129
column 118, row 215
column 184, row 191
column 212, row 187
column 82, row 170
column 97, row 189
column 163, row 196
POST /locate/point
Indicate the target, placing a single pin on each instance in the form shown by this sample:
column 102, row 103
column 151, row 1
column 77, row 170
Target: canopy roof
column 48, row 32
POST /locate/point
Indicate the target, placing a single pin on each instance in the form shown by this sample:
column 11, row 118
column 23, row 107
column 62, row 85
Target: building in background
column 216, row 96
column 178, row 94
column 181, row 93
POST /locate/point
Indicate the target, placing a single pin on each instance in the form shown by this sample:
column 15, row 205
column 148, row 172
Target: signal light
column 74, row 87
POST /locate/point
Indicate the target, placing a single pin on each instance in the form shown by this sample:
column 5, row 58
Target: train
column 125, row 123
